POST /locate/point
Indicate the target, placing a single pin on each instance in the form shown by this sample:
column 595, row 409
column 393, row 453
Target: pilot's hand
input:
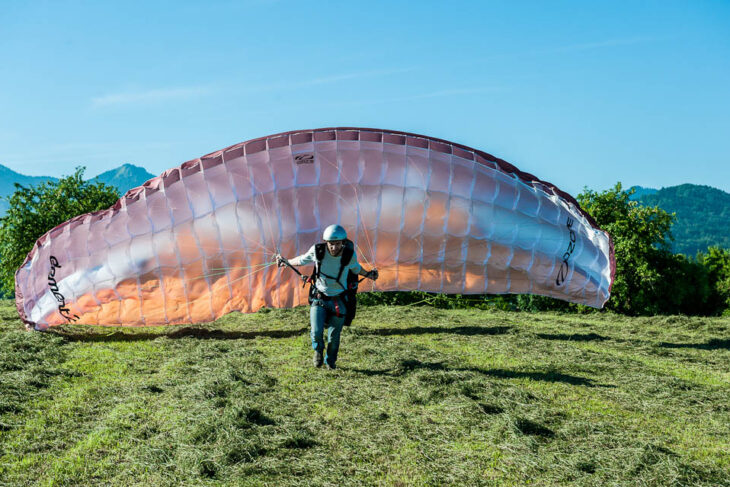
column 280, row 261
column 373, row 274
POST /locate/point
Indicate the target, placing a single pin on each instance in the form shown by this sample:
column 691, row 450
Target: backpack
column 349, row 296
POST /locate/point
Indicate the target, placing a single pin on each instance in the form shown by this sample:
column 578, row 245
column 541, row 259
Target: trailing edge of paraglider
column 197, row 241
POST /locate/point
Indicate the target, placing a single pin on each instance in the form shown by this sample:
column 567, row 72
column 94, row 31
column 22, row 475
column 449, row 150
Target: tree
column 36, row 209
column 641, row 237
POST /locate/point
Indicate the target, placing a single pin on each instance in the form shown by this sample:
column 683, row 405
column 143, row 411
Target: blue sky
column 581, row 93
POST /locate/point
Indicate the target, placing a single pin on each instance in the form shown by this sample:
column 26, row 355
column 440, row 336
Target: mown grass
column 421, row 397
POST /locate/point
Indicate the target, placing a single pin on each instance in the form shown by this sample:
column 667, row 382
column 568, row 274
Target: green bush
column 717, row 264
column 441, row 301
column 641, row 236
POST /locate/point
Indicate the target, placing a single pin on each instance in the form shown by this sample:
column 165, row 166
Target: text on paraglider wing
column 304, row 158
column 53, row 286
column 563, row 270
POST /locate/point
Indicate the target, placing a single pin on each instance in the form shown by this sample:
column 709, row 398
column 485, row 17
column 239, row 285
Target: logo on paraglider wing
column 53, row 286
column 304, row 158
column 563, row 270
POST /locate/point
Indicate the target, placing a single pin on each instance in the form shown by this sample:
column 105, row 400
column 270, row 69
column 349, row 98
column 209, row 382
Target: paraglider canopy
column 197, row 242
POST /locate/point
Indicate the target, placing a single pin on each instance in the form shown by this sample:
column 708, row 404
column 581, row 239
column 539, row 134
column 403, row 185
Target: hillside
column 125, row 177
column 8, row 178
column 703, row 216
column 422, row 397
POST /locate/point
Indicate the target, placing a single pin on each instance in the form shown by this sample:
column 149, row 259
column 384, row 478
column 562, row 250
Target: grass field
column 421, row 397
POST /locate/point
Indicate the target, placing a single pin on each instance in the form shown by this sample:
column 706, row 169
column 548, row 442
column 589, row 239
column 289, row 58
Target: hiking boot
column 331, row 366
column 317, row 360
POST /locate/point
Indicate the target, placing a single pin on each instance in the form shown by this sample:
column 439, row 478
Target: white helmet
column 334, row 232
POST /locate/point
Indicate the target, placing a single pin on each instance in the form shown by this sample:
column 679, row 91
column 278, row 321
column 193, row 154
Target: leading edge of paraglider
column 294, row 137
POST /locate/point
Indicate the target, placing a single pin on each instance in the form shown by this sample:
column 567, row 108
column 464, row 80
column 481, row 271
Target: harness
column 349, row 297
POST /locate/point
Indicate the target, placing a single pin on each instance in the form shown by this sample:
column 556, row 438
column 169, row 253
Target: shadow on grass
column 407, row 366
column 218, row 334
column 531, row 428
column 575, row 337
column 200, row 333
column 714, row 344
column 425, row 330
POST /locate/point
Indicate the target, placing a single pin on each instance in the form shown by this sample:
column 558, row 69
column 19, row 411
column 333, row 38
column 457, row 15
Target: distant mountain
column 124, row 177
column 641, row 191
column 8, row 178
column 703, row 216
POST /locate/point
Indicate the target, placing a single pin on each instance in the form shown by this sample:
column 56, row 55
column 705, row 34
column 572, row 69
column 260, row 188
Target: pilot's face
column 334, row 247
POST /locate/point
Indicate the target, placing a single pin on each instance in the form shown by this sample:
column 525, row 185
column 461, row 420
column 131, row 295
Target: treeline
column 650, row 279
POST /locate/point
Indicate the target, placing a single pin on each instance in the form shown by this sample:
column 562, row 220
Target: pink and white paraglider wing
column 197, row 242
